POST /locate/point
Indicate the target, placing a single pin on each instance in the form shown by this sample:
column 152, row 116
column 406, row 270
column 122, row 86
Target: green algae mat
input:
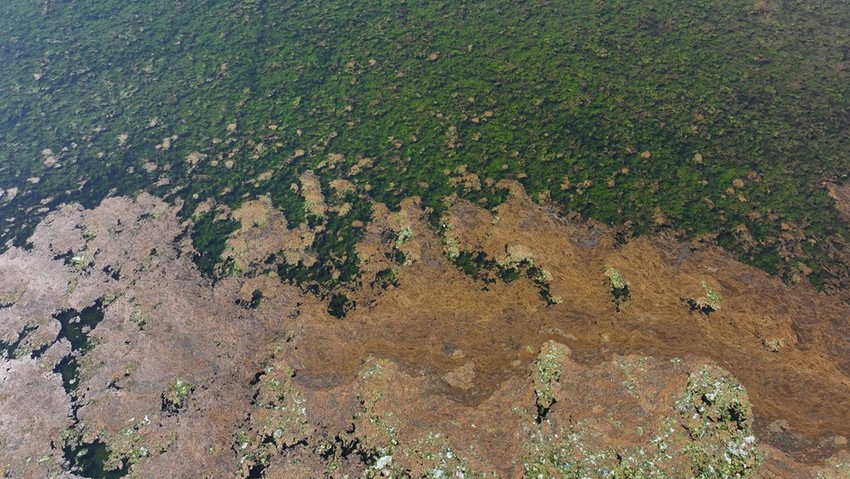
column 716, row 119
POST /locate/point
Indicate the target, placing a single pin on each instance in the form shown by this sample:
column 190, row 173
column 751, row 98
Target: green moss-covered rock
column 717, row 414
column 546, row 375
column 175, row 396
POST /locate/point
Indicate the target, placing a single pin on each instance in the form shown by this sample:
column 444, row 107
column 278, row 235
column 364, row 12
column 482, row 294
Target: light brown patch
column 311, row 191
column 841, row 195
column 263, row 232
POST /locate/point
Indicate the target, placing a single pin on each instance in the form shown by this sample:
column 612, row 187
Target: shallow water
column 639, row 114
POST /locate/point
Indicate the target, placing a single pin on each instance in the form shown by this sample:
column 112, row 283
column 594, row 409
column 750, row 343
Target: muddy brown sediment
column 436, row 308
column 419, row 363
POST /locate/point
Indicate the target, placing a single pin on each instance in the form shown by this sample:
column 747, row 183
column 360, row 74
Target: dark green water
column 537, row 91
column 87, row 460
column 75, row 327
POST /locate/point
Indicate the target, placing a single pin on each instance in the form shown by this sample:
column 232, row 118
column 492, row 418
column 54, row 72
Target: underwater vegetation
column 719, row 120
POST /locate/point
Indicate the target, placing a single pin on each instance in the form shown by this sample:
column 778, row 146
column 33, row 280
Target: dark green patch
column 539, row 92
column 209, row 237
column 256, row 299
column 89, row 460
column 339, row 305
column 9, row 349
column 386, row 278
column 75, row 328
